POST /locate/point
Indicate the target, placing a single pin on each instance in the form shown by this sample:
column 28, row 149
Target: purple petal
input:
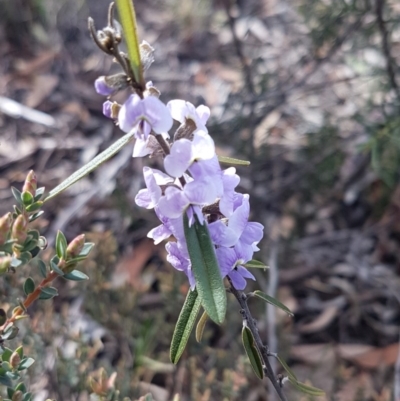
column 239, row 218
column 204, row 113
column 140, row 148
column 131, row 113
column 245, row 273
column 180, row 158
column 177, row 109
column 102, row 88
column 143, row 199
column 230, row 181
column 252, row 233
column 237, row 280
column 200, row 192
column 173, row 203
column 203, row 146
column 221, row 235
column 107, row 108
column 159, row 233
column 157, row 114
column 226, row 259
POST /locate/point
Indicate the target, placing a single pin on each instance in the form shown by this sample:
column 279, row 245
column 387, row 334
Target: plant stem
column 263, row 349
column 32, row 297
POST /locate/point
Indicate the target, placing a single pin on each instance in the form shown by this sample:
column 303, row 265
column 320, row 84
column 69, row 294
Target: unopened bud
column 19, row 229
column 75, row 246
column 15, row 359
column 5, row 264
column 151, row 90
column 30, row 184
column 17, row 396
column 5, row 226
column 111, row 109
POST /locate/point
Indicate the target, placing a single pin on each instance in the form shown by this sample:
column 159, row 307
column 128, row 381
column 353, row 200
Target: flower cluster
column 194, row 182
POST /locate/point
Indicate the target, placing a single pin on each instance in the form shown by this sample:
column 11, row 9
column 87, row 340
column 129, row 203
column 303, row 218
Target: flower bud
column 5, row 226
column 75, row 246
column 5, row 263
column 19, row 229
column 15, row 359
column 17, row 396
column 111, row 109
column 102, row 87
column 30, row 184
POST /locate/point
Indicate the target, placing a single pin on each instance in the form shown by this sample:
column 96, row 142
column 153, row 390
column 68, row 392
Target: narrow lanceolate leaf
column 255, row 264
column 127, row 17
column 252, row 352
column 184, row 325
column 92, row 165
column 285, row 366
column 233, row 162
column 316, row 392
column 200, row 326
column 273, row 301
column 206, row 271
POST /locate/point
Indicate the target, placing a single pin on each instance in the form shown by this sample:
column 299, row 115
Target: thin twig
column 271, row 310
column 263, row 349
column 379, row 7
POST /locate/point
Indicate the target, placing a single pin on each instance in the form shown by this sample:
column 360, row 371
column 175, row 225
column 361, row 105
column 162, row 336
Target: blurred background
column 309, row 91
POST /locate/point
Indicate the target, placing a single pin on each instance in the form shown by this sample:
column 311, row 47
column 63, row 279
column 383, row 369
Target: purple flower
column 230, row 181
column 182, row 111
column 180, row 261
column 149, row 197
column 144, row 115
column 102, row 88
column 143, row 147
column 185, row 152
column 230, row 263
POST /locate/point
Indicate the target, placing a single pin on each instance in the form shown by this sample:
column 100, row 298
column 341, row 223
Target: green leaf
column 42, row 268
column 10, row 333
column 10, row 392
column 255, row 264
column 76, row 275
column 233, row 162
column 26, row 198
column 285, row 366
column 21, row 387
column 35, row 206
column 26, row 363
column 27, row 397
column 272, row 301
column 316, row 392
column 252, row 352
column 92, row 165
column 127, row 17
column 61, row 245
column 200, row 326
column 5, row 380
column 3, row 316
column 35, row 216
column 39, row 193
column 17, row 195
column 205, row 268
column 48, row 293
column 29, row 286
column 184, row 325
column 87, row 247
column 6, row 355
column 54, row 267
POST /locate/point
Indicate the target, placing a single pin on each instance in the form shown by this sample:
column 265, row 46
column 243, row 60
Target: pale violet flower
column 185, row 152
column 182, row 111
column 231, row 263
column 144, row 115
